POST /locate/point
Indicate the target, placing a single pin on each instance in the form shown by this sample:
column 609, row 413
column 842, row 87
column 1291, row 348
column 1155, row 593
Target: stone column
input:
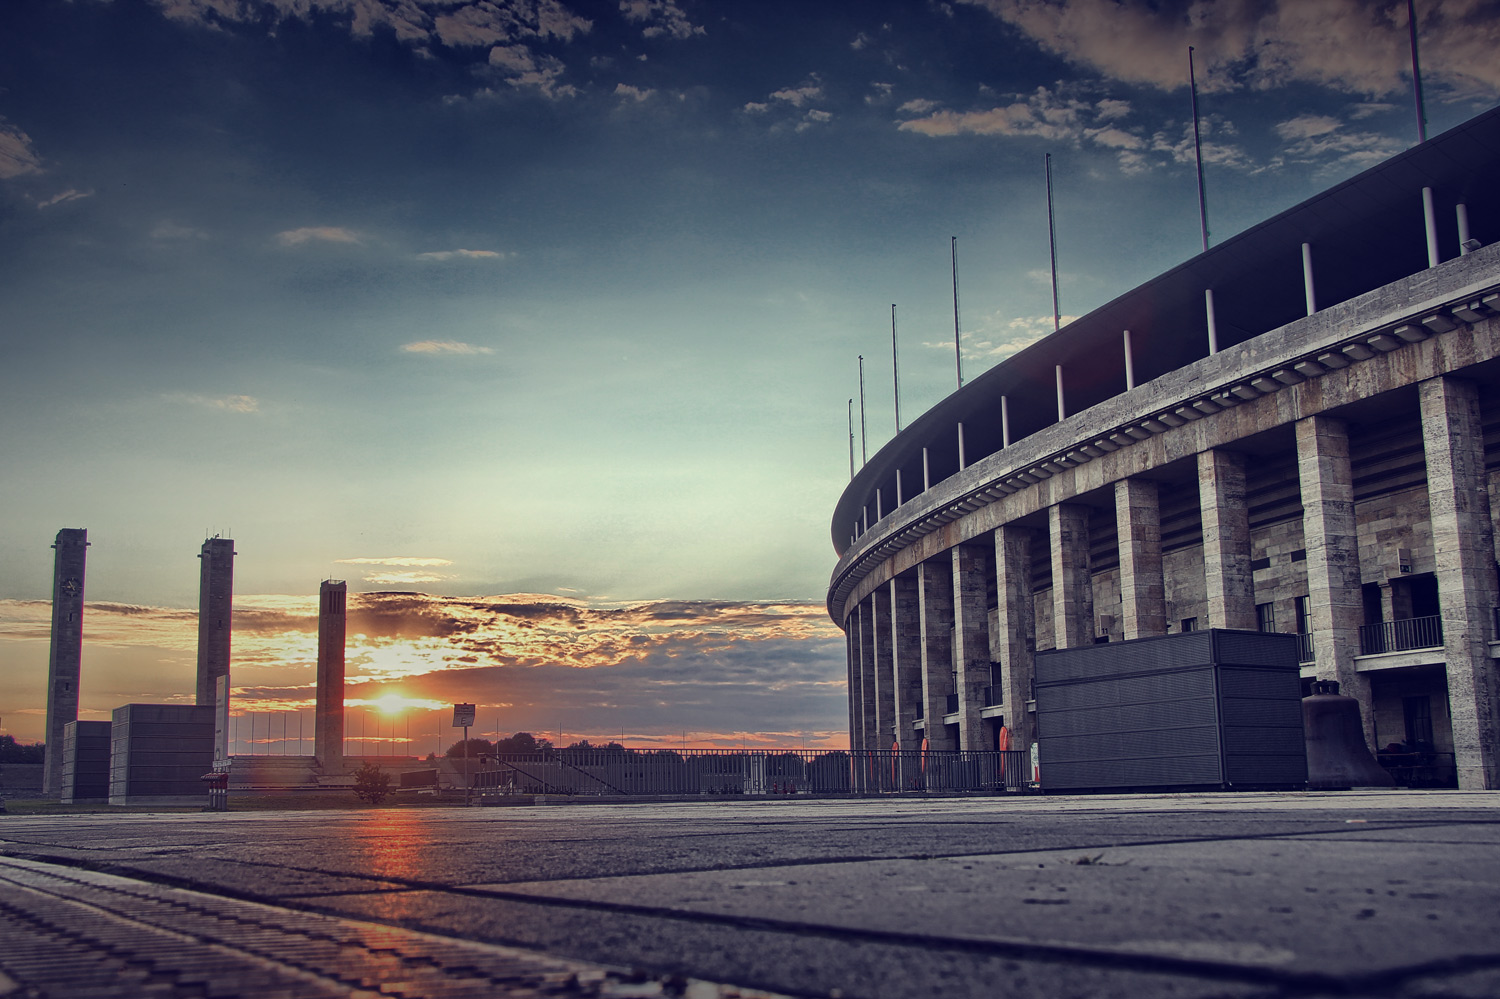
column 971, row 641
column 1072, row 585
column 868, row 736
column 1330, row 534
column 935, row 605
column 885, row 674
column 1016, row 627
column 65, row 659
column 1143, row 591
column 1463, row 540
column 906, row 657
column 851, row 645
column 1226, row 540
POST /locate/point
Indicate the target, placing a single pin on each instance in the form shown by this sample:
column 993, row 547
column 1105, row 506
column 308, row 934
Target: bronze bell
column 1337, row 757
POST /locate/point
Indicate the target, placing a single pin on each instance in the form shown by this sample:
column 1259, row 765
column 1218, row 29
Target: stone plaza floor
column 1359, row 893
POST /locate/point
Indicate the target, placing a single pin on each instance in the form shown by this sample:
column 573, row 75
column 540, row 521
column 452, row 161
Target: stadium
column 1296, row 431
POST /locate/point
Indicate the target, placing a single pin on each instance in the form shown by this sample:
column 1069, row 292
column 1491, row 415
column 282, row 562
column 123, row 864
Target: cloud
column 404, row 560
column 1064, row 113
column 227, row 403
column 996, row 337
column 444, row 347
column 318, row 234
column 520, row 67
column 814, row 117
column 632, row 93
column 799, row 96
column 717, row 669
column 1306, row 125
column 1351, row 46
column 69, row 195
column 663, row 19
column 17, row 157
column 463, row 255
column 1321, row 139
column 166, row 230
column 390, row 577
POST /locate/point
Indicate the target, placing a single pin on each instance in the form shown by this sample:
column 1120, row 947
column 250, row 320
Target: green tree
column 477, row 748
column 372, row 784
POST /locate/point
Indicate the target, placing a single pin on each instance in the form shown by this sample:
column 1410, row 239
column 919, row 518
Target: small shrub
column 372, row 784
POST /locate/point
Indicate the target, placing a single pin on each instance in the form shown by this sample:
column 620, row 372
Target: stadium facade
column 1297, row 430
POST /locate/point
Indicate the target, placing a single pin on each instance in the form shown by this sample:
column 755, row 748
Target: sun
column 395, row 703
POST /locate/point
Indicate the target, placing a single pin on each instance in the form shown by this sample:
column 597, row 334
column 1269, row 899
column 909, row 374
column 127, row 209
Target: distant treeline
column 13, row 752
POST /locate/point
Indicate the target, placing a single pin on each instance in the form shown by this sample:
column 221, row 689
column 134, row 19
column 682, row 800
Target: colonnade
column 923, row 646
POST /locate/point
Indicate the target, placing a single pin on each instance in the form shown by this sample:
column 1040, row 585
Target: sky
column 538, row 320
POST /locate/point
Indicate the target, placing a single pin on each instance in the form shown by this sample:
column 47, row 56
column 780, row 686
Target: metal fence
column 754, row 772
column 1401, row 636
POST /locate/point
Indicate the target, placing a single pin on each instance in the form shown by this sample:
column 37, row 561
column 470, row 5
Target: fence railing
column 1419, row 769
column 1401, row 636
column 754, row 772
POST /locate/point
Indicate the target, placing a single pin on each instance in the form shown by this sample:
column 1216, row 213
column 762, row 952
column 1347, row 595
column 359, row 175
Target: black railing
column 1421, row 769
column 1401, row 636
column 952, row 704
column 1304, row 649
column 994, row 695
column 695, row 772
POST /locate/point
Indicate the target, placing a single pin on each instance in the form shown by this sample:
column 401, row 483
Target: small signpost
column 463, row 717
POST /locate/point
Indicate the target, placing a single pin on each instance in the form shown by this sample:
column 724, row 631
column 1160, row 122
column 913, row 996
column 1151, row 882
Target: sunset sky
column 536, row 320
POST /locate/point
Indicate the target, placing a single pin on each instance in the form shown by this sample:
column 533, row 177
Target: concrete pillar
column 1016, row 629
column 1143, row 593
column 935, row 605
column 215, row 612
column 906, row 657
column 971, row 641
column 1072, row 584
column 1226, row 540
column 65, row 658
column 1213, row 325
column 328, row 726
column 1395, row 600
column 1330, row 535
column 869, row 736
column 885, row 675
column 851, row 655
column 1463, row 540
column 1129, row 363
column 1309, row 289
column 1429, row 224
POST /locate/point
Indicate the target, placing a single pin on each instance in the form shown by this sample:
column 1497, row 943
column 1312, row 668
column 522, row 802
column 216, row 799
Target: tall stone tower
column 66, row 659
column 332, row 598
column 215, row 605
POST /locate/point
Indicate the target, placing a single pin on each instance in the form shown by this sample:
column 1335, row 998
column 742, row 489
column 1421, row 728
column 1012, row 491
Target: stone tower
column 332, row 598
column 65, row 661
column 215, row 606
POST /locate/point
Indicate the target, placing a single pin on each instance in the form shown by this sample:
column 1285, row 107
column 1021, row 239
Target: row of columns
column 925, row 635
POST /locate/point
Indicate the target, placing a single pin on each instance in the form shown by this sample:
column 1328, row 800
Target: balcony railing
column 616, row 772
column 1304, row 649
column 994, row 695
column 1401, row 636
column 952, row 705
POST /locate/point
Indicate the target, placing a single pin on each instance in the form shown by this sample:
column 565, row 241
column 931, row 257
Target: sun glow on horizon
column 394, row 703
